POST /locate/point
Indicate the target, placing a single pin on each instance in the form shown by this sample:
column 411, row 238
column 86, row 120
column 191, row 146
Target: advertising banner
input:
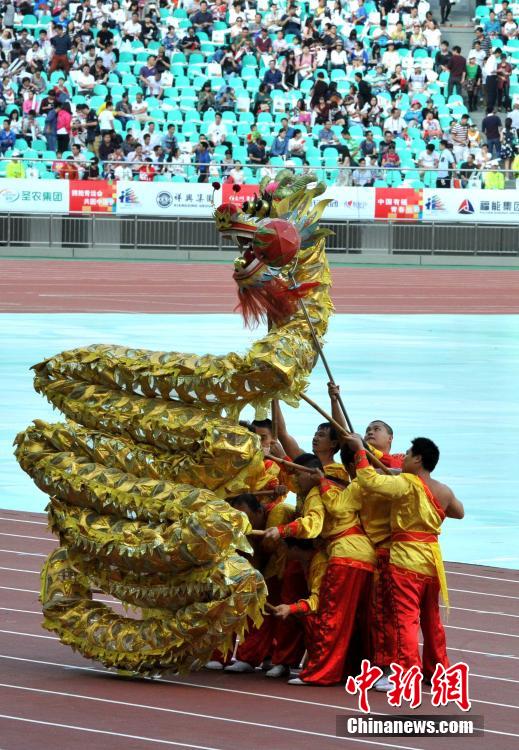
column 34, row 196
column 165, row 199
column 398, row 204
column 238, row 197
column 89, row 196
column 349, row 203
column 471, row 205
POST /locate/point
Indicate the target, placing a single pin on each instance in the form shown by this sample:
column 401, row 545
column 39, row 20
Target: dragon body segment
column 138, row 474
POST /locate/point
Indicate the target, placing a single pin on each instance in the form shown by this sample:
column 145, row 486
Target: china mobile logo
column 448, row 685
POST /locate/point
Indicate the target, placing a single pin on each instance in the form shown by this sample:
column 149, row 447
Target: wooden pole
column 342, row 430
column 323, row 358
column 290, row 464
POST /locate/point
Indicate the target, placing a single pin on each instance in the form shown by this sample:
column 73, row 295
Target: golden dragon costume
column 139, row 472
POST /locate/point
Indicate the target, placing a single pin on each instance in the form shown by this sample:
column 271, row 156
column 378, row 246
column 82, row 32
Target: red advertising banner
column 398, row 204
column 88, row 197
column 246, row 193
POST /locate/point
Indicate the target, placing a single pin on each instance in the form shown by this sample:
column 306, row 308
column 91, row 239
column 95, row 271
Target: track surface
column 51, row 698
column 86, row 286
column 66, row 701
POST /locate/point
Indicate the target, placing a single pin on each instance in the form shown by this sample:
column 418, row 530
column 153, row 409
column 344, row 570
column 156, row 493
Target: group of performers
column 355, row 569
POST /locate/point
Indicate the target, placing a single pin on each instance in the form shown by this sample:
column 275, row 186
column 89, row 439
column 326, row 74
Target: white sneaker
column 383, row 685
column 239, row 666
column 214, row 665
column 278, row 670
column 297, row 681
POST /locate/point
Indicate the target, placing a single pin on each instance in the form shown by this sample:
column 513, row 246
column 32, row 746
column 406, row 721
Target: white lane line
column 25, row 611
column 210, row 717
column 482, row 611
column 478, row 593
column 487, row 632
column 487, row 578
column 20, row 570
column 105, row 672
column 19, row 520
column 106, row 732
column 30, row 635
column 452, row 627
column 29, row 554
column 460, row 609
column 24, row 536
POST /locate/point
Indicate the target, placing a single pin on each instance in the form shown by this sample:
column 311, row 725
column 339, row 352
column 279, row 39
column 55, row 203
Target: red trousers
column 282, row 640
column 415, row 599
column 383, row 637
column 59, row 61
column 344, row 595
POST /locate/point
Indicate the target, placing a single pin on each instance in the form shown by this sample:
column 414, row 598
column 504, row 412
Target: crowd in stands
column 365, row 92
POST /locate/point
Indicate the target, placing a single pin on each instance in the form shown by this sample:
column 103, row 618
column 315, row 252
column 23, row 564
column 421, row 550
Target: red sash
column 352, row 531
column 414, row 536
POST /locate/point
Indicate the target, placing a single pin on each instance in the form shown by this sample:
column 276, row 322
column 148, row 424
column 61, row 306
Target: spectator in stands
column 15, row 168
column 290, row 79
column 202, row 157
column 431, row 129
column 428, row 158
column 273, row 76
column 31, row 129
column 236, row 174
column 459, row 137
column 140, row 108
column 203, row 19
column 338, row 57
column 85, row 81
column 217, row 132
column 327, row 137
column 50, row 128
column 61, row 45
column 290, row 22
column 490, row 78
column 473, row 81
column 446, row 163
column 297, row 145
column 504, row 71
column 132, row 28
column 280, row 144
column 417, row 79
column 442, row 57
column 445, row 10
column 190, row 43
column 263, row 43
column 390, row 159
column 456, row 67
column 492, row 25
column 468, row 172
column 508, row 144
column 256, row 152
column 106, row 147
column 514, row 115
column 491, row 128
column 123, row 110
column 395, row 123
column 362, row 176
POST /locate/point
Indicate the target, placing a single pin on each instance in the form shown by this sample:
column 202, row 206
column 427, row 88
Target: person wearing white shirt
column 338, row 57
column 395, row 123
column 514, row 115
column 390, row 58
column 217, row 132
column 155, row 138
column 106, row 119
column 433, row 35
column 236, row 173
column 297, row 145
column 139, row 108
column 85, row 81
column 428, row 159
column 479, row 54
column 133, row 28
column 123, row 172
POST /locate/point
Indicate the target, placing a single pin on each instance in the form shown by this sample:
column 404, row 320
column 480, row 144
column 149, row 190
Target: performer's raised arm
column 289, row 443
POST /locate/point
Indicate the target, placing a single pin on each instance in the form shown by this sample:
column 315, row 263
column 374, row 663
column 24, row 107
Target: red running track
column 52, row 698
column 50, row 286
